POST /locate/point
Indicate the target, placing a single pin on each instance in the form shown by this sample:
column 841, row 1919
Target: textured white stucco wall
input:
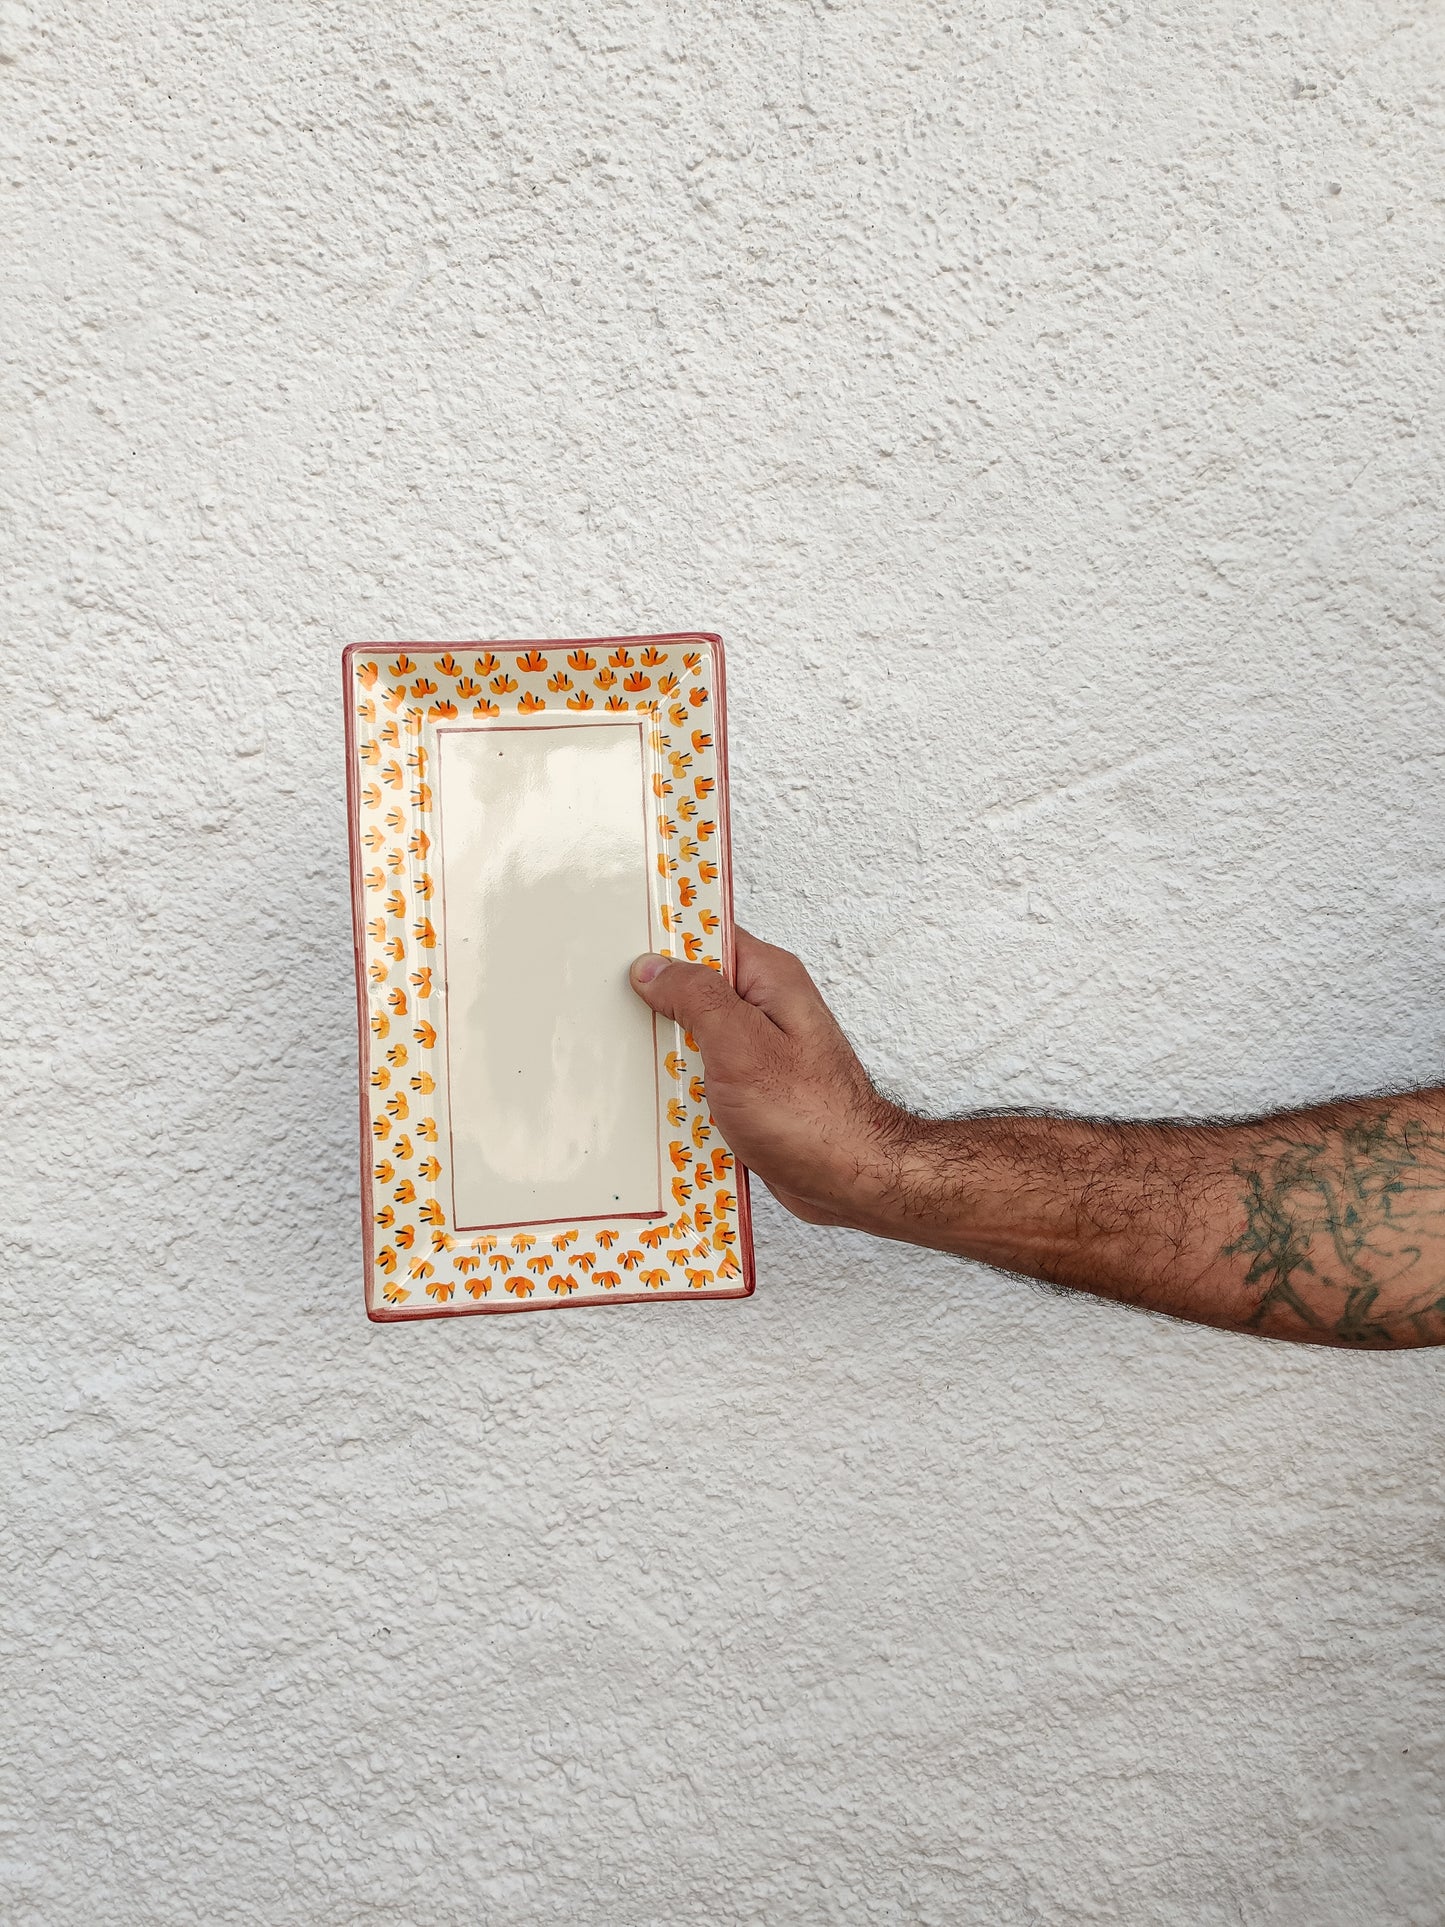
column 1044, row 401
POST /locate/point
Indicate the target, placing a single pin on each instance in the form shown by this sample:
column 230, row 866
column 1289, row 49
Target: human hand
column 783, row 1082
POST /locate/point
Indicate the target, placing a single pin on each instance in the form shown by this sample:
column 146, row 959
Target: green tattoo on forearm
column 1345, row 1231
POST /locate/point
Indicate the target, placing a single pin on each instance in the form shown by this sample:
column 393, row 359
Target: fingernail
column 646, row 968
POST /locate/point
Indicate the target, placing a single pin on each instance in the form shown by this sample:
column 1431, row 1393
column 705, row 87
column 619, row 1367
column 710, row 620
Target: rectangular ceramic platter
column 526, row 818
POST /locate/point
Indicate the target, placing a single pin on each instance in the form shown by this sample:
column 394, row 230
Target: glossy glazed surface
column 526, row 818
column 552, row 1059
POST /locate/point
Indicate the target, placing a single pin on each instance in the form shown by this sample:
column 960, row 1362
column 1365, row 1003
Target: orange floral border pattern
column 417, row 1264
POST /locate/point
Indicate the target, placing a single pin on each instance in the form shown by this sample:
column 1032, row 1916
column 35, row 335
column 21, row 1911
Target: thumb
column 690, row 994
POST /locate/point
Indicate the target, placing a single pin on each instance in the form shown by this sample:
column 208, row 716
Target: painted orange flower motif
column 522, row 1241
column 581, row 701
column 608, row 1280
column 520, row 1287
column 478, row 1287
column 485, row 708
column 485, row 664
column 606, row 1239
column 579, row 659
column 394, row 1293
column 441, row 1289
column 502, row 684
column 366, row 674
column 448, row 665
column 530, row 704
column 564, row 1284
column 532, row 663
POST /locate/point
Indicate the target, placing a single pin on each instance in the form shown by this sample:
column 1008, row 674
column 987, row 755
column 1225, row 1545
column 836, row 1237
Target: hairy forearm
column 1325, row 1225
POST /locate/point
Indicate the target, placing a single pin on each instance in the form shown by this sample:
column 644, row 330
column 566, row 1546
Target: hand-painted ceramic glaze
column 525, row 819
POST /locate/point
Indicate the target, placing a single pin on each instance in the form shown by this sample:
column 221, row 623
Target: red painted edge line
column 384, row 1316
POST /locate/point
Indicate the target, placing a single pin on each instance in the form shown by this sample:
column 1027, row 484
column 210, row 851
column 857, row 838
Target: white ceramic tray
column 525, row 818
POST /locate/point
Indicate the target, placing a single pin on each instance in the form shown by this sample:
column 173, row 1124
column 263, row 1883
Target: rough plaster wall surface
column 1044, row 402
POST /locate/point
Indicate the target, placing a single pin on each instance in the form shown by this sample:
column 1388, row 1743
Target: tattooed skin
column 1343, row 1231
